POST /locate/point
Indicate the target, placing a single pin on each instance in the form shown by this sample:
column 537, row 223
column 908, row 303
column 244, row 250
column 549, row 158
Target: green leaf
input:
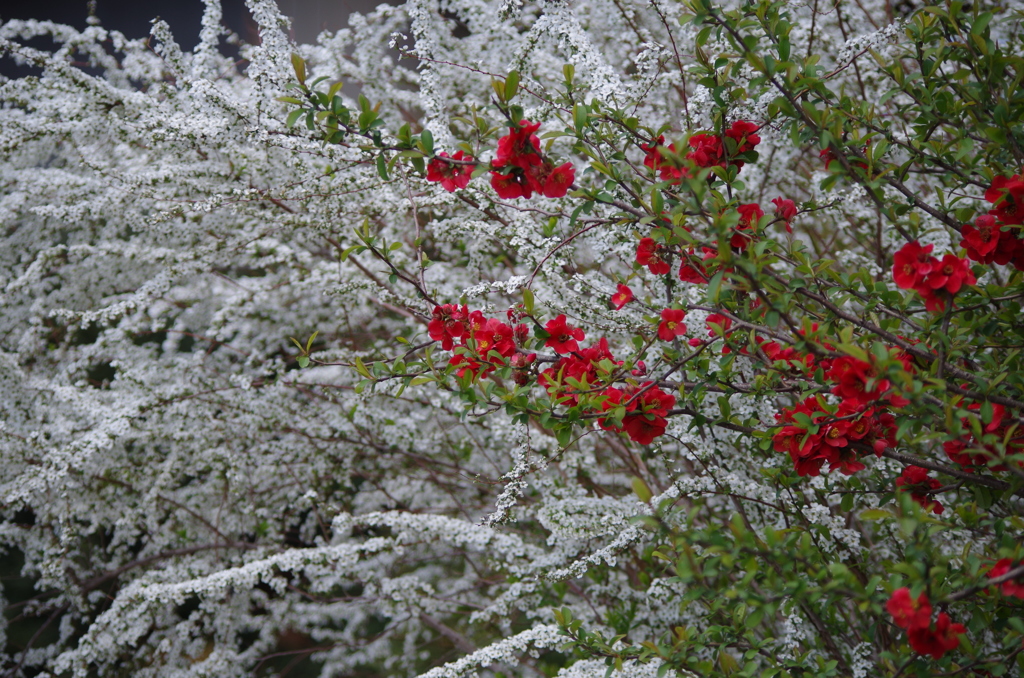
column 641, row 490
column 303, row 361
column 528, row 300
column 382, row 167
column 427, row 139
column 300, row 68
column 293, row 117
column 511, row 85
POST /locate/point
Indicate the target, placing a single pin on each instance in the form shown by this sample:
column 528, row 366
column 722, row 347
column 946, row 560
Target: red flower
column 785, row 209
column 564, row 337
column 1008, row 197
column 509, row 186
column 911, row 264
column 828, row 156
column 551, row 181
column 908, row 613
column 471, row 366
column 1011, row 587
column 655, row 161
column 851, row 378
column 938, row 641
column 690, row 273
column 648, row 411
column 520, row 147
column 750, row 214
column 622, row 297
column 950, row 274
column 451, row 175
column 981, row 239
column 707, row 150
column 494, row 336
column 448, row 324
column 648, row 253
column 671, row 324
column 745, row 135
column 915, row 480
column 577, row 372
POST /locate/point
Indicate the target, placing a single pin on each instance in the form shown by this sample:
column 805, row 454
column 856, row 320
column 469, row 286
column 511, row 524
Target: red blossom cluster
column 585, row 372
column 916, row 617
column 936, row 280
column 970, row 452
column 486, row 342
column 986, row 241
column 708, row 150
column 646, row 408
column 916, row 481
column 812, row 434
column 520, row 168
column 719, row 326
column 785, row 209
column 1012, row 588
column 482, row 343
column 452, row 175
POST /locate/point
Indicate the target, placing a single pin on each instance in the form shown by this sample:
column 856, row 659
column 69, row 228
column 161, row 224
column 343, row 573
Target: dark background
column 134, row 17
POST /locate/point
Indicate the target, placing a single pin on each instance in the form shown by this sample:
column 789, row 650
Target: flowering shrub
column 595, row 338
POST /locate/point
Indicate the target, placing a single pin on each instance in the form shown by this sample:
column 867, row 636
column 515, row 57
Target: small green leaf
column 300, row 68
column 382, row 167
column 303, row 361
column 641, row 490
column 511, row 85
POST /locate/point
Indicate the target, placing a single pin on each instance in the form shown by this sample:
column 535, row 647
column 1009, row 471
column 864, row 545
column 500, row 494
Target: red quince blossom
column 1011, row 587
column 785, row 209
column 937, row 641
column 707, row 150
column 640, row 369
column 671, row 324
column 828, row 155
column 908, row 613
column 623, row 296
column 520, row 363
column 509, row 186
column 1007, row 196
column 950, row 274
column 648, row 419
column 911, row 264
column 656, row 161
column 750, row 214
column 564, row 337
column 449, row 324
column 451, row 175
column 981, row 239
column 870, row 428
column 692, row 272
column 745, row 135
column 851, row 378
column 580, row 367
column 551, row 181
column 469, row 365
column 935, row 280
column 649, row 254
column 520, row 147
column 494, row 336
column 915, row 480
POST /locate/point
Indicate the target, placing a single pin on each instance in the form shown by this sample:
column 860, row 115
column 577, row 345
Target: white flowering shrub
column 599, row 338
